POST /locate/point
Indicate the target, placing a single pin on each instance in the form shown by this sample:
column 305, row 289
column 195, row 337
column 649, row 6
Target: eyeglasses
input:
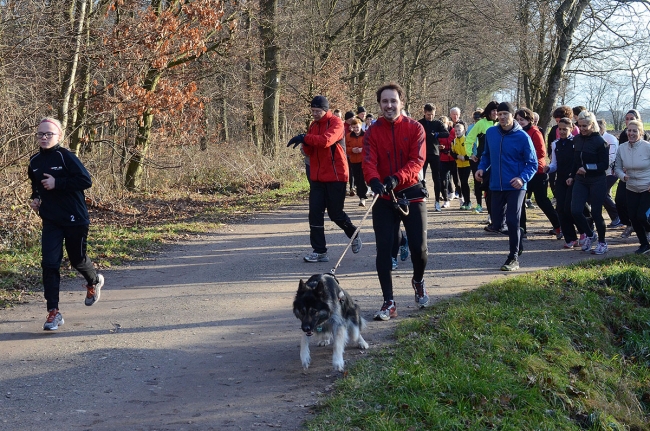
column 48, row 135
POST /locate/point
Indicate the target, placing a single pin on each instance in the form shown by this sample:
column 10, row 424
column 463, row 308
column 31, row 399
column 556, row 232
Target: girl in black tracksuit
column 58, row 180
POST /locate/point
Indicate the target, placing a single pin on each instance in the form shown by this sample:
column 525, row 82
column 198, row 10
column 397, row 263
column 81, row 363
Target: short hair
column 460, row 124
column 355, row 121
column 455, row 108
column 639, row 125
column 526, row 114
column 578, row 109
column 602, row 122
column 563, row 111
column 369, row 115
column 391, row 86
column 477, row 114
column 429, row 107
column 567, row 121
column 535, row 117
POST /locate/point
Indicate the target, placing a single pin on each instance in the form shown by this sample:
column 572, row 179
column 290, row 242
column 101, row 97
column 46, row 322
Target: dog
column 326, row 310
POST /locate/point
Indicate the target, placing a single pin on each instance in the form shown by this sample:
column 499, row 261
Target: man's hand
column 569, row 181
column 35, row 204
column 581, row 171
column 390, row 183
column 377, row 187
column 478, row 176
column 357, row 150
column 474, row 159
column 296, row 140
column 48, row 182
column 517, row 183
column 459, row 157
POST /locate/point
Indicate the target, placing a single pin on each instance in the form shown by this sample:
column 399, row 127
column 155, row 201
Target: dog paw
column 339, row 366
column 324, row 343
column 363, row 345
column 305, row 365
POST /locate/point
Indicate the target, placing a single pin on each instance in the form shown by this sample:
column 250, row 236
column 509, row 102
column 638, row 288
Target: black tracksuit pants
column 328, row 196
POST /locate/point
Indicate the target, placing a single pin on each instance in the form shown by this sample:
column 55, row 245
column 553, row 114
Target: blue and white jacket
column 508, row 154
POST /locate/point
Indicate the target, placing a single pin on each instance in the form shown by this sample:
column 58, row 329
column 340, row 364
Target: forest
column 202, row 95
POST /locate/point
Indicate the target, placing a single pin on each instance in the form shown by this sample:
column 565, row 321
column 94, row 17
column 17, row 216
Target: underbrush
column 562, row 349
column 186, row 192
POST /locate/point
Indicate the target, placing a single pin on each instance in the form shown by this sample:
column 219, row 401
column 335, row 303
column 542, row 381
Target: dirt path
column 202, row 337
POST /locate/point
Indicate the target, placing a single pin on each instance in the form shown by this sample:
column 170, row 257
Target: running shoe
column 582, row 239
column 404, row 249
column 317, row 257
column 589, row 242
column 421, row 296
column 643, row 249
column 356, row 244
column 394, row 264
column 627, row 232
column 446, row 204
column 601, row 248
column 94, row 292
column 615, row 223
column 388, row 311
column 437, row 207
column 54, row 319
column 571, row 244
column 362, row 202
column 510, row 265
column 478, row 209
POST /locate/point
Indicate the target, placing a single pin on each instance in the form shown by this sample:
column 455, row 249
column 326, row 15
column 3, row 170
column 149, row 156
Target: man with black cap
column 323, row 143
column 511, row 157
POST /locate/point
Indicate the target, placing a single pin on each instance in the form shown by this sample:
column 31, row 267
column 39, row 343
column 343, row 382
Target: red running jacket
column 327, row 159
column 397, row 148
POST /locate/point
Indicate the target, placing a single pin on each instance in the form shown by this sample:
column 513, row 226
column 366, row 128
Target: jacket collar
column 49, row 150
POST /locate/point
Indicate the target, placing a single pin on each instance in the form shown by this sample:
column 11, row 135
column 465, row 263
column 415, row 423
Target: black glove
column 390, row 183
column 377, row 187
column 296, row 140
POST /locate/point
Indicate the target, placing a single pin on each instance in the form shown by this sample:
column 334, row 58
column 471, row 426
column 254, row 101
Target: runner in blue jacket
column 511, row 157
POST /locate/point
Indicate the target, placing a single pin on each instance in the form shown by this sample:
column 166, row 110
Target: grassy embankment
column 562, row 349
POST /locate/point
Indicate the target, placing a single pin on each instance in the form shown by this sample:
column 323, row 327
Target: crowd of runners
column 508, row 157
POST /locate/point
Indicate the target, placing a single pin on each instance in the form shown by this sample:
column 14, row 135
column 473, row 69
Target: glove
column 377, row 187
column 435, row 134
column 390, row 183
column 296, row 140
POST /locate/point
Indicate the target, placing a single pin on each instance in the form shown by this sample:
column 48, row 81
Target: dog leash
column 354, row 235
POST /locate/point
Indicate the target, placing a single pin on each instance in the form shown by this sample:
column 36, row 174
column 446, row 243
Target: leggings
column 478, row 187
column 386, row 223
column 509, row 203
column 434, row 161
column 637, row 207
column 53, row 237
column 621, row 203
column 592, row 190
column 463, row 173
column 445, row 177
column 330, row 197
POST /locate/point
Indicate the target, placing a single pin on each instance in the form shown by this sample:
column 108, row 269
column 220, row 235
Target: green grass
column 112, row 244
column 563, row 349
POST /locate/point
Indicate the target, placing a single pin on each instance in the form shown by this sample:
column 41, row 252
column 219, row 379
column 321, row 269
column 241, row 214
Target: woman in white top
column 633, row 167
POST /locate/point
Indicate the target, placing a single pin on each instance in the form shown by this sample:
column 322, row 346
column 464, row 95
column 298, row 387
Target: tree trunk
column 567, row 18
column 79, row 130
column 133, row 177
column 251, row 108
column 69, row 78
column 271, row 105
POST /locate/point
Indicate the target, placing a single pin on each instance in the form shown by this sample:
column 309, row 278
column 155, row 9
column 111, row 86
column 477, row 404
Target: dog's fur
column 326, row 310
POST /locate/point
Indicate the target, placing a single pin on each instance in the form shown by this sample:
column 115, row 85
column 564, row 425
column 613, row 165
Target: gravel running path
column 202, row 336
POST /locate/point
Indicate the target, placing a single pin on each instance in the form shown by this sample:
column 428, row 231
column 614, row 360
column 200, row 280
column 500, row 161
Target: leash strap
column 354, row 235
column 400, row 204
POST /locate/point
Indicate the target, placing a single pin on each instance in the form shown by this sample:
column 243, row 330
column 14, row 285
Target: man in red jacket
column 394, row 153
column 328, row 170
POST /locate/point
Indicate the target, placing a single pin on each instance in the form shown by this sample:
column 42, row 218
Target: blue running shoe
column 404, row 249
